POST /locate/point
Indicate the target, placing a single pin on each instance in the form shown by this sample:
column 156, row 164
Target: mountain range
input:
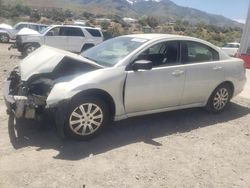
column 166, row 10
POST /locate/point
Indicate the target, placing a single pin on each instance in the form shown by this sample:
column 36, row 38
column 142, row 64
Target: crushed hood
column 45, row 60
column 27, row 31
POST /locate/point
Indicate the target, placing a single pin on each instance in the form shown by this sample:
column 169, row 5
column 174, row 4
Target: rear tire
column 87, row 116
column 219, row 99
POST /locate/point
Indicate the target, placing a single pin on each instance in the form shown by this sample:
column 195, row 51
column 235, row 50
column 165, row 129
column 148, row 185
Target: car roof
column 30, row 23
column 156, row 36
column 153, row 36
column 76, row 26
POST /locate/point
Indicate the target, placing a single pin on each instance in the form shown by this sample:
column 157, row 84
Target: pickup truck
column 8, row 32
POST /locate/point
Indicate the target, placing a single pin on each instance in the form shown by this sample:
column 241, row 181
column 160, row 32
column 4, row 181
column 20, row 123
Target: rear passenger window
column 94, row 32
column 71, row 31
column 193, row 52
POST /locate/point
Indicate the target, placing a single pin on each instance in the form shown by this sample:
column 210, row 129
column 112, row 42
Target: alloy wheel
column 221, row 99
column 86, row 119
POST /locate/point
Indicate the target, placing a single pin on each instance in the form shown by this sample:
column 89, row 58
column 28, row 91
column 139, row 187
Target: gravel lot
column 187, row 148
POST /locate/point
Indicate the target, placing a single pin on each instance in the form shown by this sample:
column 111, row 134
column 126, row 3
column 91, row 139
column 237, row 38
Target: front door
column 56, row 37
column 160, row 87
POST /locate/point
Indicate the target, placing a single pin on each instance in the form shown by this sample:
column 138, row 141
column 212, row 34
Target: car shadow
column 122, row 133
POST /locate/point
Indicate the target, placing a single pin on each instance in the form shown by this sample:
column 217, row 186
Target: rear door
column 204, row 72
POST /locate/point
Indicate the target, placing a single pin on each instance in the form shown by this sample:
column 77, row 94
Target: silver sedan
column 123, row 77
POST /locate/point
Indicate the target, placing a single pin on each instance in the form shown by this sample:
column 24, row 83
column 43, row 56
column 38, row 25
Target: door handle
column 217, row 68
column 177, row 72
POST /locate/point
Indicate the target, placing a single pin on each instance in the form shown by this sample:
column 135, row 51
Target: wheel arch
column 31, row 43
column 229, row 83
column 28, row 44
column 102, row 94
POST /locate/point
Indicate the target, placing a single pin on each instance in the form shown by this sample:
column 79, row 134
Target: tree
column 152, row 22
column 35, row 16
column 105, row 25
column 68, row 14
column 88, row 15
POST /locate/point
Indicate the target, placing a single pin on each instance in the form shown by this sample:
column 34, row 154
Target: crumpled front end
column 29, row 85
column 21, row 99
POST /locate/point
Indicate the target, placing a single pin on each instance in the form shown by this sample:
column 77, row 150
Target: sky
column 233, row 9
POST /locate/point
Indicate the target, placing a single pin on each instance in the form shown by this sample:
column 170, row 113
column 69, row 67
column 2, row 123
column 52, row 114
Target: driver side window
column 53, row 32
column 162, row 54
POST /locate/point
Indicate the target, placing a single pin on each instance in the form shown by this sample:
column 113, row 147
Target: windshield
column 112, row 51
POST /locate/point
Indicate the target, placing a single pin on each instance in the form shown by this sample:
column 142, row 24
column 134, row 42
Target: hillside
column 166, row 10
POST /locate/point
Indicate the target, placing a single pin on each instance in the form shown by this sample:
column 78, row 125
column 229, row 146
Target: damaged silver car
column 123, row 77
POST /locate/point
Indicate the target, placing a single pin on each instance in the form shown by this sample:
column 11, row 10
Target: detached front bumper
column 16, row 104
column 9, row 99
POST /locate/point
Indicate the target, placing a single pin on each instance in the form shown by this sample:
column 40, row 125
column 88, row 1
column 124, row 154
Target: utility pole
column 1, row 7
column 244, row 50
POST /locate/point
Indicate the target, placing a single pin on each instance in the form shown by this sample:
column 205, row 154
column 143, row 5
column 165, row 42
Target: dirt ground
column 186, row 148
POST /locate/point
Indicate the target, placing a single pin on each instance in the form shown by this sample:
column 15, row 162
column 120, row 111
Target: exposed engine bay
column 30, row 96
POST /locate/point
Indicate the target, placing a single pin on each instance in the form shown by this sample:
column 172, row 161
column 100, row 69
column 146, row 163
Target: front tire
column 87, row 117
column 219, row 99
column 29, row 48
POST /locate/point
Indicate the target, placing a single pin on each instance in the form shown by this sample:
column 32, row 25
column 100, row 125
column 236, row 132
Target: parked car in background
column 72, row 38
column 231, row 48
column 7, row 33
column 122, row 77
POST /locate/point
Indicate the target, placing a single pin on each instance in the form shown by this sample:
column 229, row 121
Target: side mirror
column 142, row 65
